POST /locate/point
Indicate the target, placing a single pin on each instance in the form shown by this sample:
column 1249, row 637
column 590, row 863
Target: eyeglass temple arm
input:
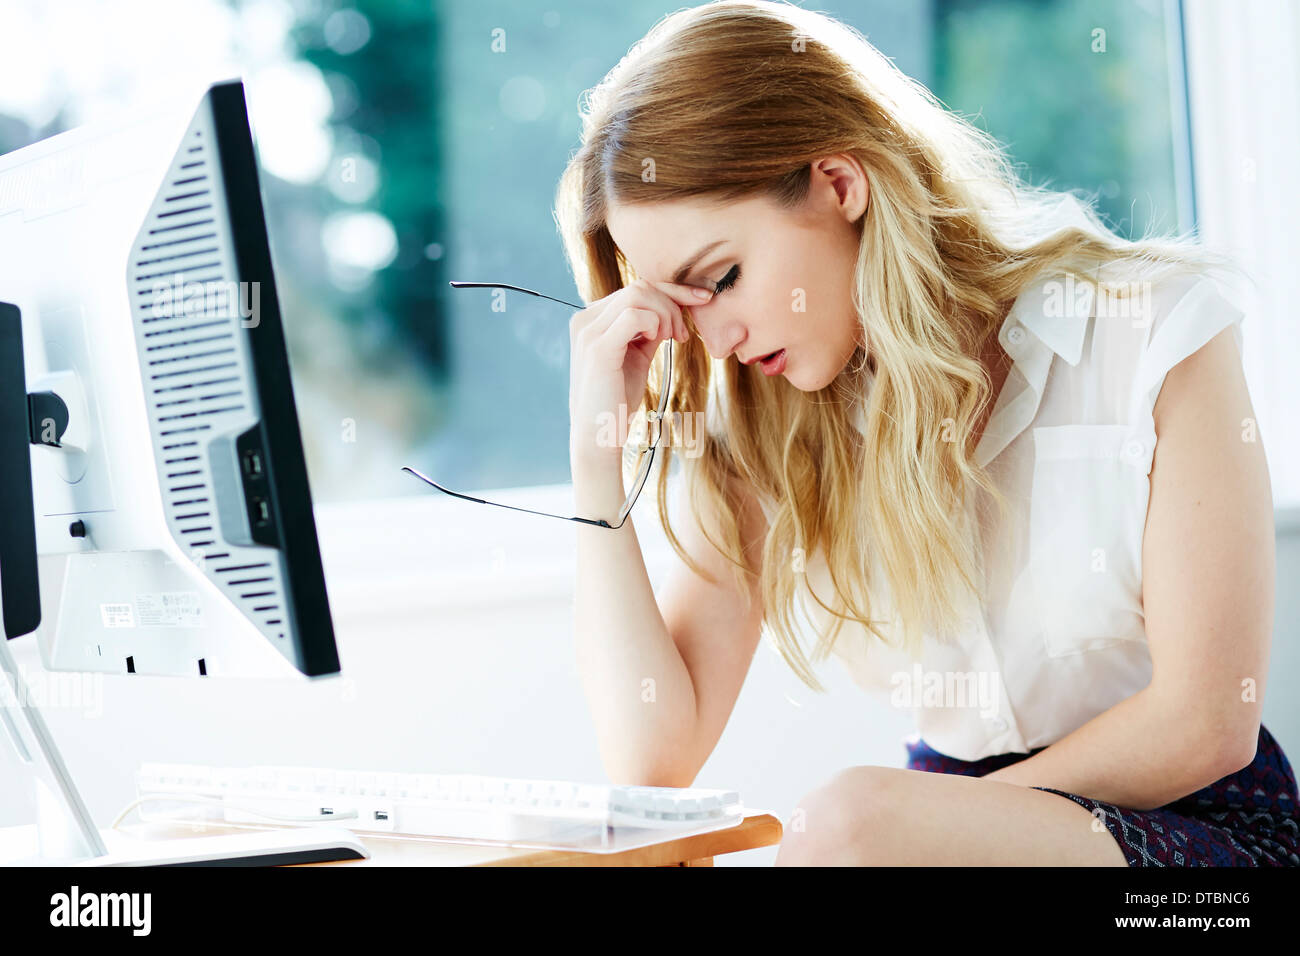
column 598, row 522
column 517, row 288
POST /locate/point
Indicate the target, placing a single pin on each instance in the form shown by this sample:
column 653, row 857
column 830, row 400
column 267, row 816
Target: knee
column 840, row 823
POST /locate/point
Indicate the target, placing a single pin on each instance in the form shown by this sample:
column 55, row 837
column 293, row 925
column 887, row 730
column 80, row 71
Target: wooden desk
column 757, row 829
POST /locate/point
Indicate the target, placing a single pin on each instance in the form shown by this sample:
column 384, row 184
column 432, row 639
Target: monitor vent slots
column 194, row 368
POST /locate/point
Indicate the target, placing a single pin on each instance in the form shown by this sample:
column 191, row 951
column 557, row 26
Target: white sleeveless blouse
column 1070, row 442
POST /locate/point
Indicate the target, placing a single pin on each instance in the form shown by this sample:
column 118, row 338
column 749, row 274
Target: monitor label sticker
column 169, row 609
column 117, row 615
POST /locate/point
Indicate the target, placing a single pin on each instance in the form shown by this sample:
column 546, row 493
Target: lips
column 774, row 364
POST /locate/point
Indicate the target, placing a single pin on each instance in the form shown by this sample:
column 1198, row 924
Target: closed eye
column 727, row 281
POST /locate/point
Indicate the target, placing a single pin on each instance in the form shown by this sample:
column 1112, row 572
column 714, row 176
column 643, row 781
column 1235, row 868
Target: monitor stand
column 66, row 833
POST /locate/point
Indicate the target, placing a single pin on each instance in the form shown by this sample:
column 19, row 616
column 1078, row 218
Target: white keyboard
column 448, row 805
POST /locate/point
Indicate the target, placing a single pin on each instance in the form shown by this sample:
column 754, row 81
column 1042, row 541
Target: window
column 1086, row 94
column 404, row 145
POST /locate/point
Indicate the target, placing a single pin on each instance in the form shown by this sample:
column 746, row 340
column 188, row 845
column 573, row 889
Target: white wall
column 1243, row 70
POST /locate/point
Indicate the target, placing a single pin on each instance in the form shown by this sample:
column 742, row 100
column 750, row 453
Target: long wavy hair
column 736, row 99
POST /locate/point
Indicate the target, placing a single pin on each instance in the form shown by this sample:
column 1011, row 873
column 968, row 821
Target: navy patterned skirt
column 1249, row 818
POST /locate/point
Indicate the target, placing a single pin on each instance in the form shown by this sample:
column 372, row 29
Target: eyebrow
column 680, row 276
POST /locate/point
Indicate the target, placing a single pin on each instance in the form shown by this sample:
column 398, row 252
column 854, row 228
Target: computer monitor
column 173, row 514
column 167, row 527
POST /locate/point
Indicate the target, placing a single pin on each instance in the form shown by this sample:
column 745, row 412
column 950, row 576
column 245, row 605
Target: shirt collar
column 1056, row 310
column 1056, row 307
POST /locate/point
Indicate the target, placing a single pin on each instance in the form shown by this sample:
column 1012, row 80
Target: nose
column 721, row 337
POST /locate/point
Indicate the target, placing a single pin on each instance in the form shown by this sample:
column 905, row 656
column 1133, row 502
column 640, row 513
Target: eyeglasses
column 647, row 454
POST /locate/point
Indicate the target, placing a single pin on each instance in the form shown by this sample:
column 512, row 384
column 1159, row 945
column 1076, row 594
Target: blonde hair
column 735, row 99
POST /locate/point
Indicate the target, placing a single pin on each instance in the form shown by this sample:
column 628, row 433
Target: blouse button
column 1015, row 335
column 1134, row 448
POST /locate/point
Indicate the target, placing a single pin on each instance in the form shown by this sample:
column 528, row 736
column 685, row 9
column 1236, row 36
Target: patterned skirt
column 1248, row 818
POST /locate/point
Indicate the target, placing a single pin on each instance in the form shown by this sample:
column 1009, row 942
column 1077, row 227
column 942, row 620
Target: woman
column 933, row 400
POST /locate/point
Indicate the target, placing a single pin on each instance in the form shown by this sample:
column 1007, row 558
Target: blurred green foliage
column 1079, row 90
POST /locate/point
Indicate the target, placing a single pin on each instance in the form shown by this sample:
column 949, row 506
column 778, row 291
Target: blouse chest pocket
column 1087, row 512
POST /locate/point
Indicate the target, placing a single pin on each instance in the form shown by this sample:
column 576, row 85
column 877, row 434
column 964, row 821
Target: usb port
column 252, row 463
column 261, row 511
column 381, row 814
column 327, row 811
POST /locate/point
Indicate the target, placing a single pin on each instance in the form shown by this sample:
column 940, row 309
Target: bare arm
column 1207, row 593
column 661, row 684
column 711, row 625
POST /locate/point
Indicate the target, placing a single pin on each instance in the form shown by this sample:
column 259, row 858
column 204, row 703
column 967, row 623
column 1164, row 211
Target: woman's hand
column 612, row 343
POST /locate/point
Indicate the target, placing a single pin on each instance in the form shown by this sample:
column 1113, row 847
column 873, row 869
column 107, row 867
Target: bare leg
column 885, row 816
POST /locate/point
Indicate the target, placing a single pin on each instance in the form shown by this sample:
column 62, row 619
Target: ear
column 844, row 175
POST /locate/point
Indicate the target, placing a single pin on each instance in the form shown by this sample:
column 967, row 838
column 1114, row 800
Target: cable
column 221, row 802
